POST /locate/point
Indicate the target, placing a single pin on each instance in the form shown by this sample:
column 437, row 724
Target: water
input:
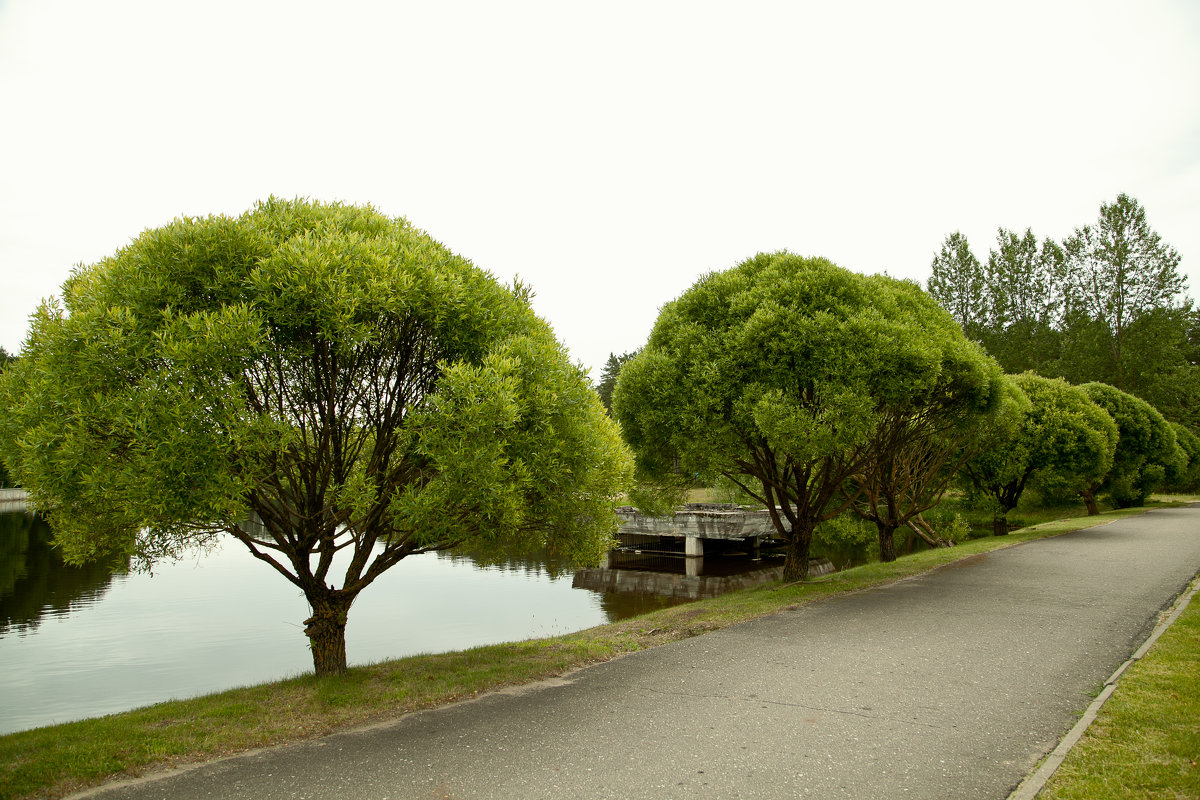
column 83, row 642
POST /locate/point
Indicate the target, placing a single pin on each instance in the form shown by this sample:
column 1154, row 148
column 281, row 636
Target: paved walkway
column 950, row 685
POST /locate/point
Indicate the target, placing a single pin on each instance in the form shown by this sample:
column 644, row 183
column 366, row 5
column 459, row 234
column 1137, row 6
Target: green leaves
column 783, row 370
column 338, row 374
column 1059, row 435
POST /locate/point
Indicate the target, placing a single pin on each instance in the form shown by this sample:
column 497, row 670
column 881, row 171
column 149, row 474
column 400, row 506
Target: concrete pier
column 14, row 500
column 694, row 523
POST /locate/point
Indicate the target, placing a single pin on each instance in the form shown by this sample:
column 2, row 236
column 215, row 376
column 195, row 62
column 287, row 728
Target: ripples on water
column 82, row 642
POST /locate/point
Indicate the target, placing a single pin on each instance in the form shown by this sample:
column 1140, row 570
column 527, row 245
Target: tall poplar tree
column 1117, row 271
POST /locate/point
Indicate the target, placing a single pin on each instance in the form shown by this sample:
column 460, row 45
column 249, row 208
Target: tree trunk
column 887, row 542
column 999, row 525
column 326, row 631
column 795, row 566
column 926, row 532
column 1089, row 500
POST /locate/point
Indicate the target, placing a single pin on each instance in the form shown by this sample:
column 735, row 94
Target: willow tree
column 330, row 387
column 1060, row 434
column 924, row 435
column 1146, row 449
column 778, row 373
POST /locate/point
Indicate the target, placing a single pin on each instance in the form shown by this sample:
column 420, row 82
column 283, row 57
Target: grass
column 1145, row 743
column 54, row 761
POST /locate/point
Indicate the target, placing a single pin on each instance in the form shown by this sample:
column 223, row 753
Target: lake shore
column 56, row 760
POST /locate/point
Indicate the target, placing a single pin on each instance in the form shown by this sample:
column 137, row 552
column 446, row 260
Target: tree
column 959, row 284
column 331, row 387
column 1186, row 475
column 608, row 377
column 1146, row 449
column 1062, row 433
column 920, row 442
column 1161, row 362
column 1025, row 288
column 776, row 374
column 1117, row 271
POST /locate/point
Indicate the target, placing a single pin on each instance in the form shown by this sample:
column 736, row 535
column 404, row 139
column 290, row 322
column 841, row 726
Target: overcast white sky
column 608, row 153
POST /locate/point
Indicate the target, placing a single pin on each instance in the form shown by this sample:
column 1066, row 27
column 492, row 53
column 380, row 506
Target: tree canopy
column 329, row 386
column 1061, row 434
column 1146, row 449
column 1106, row 304
column 778, row 373
column 608, row 377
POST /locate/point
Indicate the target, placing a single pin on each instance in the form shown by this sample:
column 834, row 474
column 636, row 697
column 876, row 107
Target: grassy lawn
column 53, row 761
column 1146, row 741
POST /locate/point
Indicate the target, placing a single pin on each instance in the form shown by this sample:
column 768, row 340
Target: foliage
column 608, row 377
column 1186, row 478
column 1120, row 268
column 845, row 540
column 1104, row 305
column 1025, row 300
column 959, row 284
column 316, row 381
column 1013, row 304
column 1025, row 280
column 958, row 530
column 725, row 490
column 1145, row 452
column 1061, row 435
column 922, row 441
column 777, row 374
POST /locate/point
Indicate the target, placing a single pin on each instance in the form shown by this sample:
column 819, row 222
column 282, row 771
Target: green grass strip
column 1145, row 742
column 57, row 760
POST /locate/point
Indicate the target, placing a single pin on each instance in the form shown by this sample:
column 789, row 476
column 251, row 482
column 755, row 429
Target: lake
column 83, row 642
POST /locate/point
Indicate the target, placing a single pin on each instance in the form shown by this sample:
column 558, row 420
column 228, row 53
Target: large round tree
column 1146, row 449
column 1061, row 435
column 783, row 373
column 327, row 385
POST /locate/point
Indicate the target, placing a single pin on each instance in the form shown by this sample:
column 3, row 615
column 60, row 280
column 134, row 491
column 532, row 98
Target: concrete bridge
column 665, row 555
column 694, row 523
column 14, row 500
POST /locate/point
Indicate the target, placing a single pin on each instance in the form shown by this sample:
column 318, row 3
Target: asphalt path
column 952, row 684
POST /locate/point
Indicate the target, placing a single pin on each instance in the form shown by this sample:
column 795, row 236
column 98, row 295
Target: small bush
column 958, row 530
column 845, row 540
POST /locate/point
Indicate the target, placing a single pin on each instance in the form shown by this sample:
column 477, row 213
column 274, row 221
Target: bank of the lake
column 66, row 757
column 86, row 641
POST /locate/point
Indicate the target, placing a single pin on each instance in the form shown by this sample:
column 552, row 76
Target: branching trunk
column 999, row 524
column 887, row 541
column 326, row 630
column 795, row 566
column 927, row 533
column 1089, row 500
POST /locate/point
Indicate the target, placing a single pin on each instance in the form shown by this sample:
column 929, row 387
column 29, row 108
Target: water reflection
column 80, row 642
column 615, row 604
column 34, row 581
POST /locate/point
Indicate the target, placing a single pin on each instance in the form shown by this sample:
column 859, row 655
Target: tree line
column 818, row 391
column 337, row 391
column 1105, row 304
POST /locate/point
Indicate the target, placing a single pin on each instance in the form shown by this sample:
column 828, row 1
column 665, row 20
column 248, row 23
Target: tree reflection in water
column 34, row 581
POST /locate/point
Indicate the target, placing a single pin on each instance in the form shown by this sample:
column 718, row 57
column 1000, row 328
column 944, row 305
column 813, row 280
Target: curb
column 1029, row 788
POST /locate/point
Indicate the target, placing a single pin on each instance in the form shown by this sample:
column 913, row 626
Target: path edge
column 1032, row 785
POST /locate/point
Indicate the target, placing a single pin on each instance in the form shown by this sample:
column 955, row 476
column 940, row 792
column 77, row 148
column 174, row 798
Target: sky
column 609, row 154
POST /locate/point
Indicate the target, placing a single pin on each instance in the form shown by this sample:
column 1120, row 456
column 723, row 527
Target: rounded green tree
column 782, row 374
column 1146, row 449
column 1062, row 435
column 329, row 386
